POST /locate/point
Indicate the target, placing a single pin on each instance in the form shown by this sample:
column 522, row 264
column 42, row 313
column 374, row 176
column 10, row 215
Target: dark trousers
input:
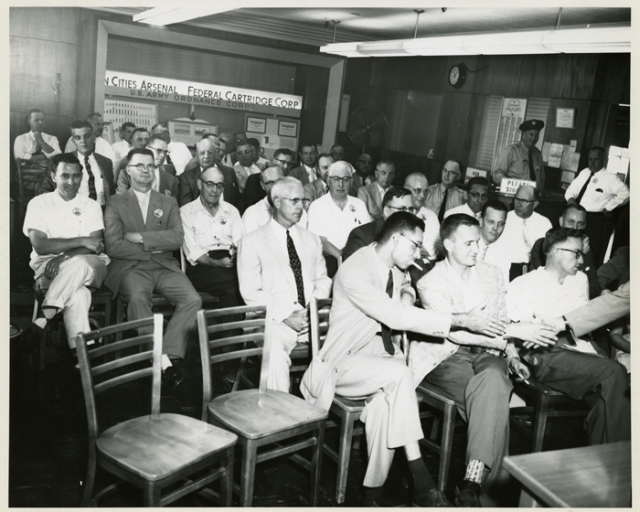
column 601, row 383
column 332, row 265
column 599, row 229
column 220, row 282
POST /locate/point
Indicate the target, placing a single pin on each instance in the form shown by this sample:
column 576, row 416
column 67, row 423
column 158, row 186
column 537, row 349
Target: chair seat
column 540, row 388
column 254, row 415
column 430, row 391
column 348, row 405
column 157, row 449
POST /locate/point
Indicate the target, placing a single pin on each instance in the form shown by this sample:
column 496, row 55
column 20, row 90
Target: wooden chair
column 153, row 451
column 30, row 174
column 259, row 416
column 547, row 403
column 348, row 411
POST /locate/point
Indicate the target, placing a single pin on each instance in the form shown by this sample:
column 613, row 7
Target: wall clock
column 457, row 75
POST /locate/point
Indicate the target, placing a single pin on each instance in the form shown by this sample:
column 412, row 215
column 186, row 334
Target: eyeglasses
column 244, row 153
column 306, row 201
column 523, row 201
column 294, row 200
column 206, row 153
column 578, row 254
column 415, row 244
column 337, row 179
column 142, row 167
column 267, row 183
column 284, row 162
column 410, row 209
column 161, row 151
column 454, row 173
column 210, row 185
column 416, row 190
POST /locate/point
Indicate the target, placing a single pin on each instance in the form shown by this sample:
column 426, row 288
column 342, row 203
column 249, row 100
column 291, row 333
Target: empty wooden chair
column 260, row 416
column 153, row 451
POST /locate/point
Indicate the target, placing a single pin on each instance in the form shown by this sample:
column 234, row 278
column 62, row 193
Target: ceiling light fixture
column 161, row 16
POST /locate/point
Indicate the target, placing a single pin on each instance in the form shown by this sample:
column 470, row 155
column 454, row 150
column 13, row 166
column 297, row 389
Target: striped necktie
column 296, row 266
column 92, row 179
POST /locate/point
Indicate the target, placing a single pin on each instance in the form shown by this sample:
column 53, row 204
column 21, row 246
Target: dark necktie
column 296, row 266
column 168, row 159
column 532, row 173
column 92, row 180
column 584, row 188
column 443, row 206
column 386, row 332
column 38, row 148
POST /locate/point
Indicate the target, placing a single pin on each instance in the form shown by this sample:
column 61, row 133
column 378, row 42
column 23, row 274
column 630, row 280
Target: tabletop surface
column 593, row 476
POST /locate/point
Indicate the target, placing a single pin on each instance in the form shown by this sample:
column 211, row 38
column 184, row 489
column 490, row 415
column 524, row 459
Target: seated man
column 122, row 147
column 212, row 229
column 65, row 230
column 163, row 182
column 418, row 184
column 179, row 154
column 260, row 213
column 490, row 248
column 361, row 356
column 573, row 217
column 35, row 144
column 139, row 139
column 472, row 369
column 363, row 174
column 477, row 195
column 245, row 166
column 554, row 290
column 337, row 152
column 395, row 200
column 373, row 193
column 307, row 171
column 446, row 195
column 102, row 147
column 143, row 228
column 334, row 215
column 253, row 190
column 319, row 187
column 258, row 159
column 283, row 263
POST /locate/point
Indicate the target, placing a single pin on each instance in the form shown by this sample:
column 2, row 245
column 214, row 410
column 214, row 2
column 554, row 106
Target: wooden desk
column 595, row 476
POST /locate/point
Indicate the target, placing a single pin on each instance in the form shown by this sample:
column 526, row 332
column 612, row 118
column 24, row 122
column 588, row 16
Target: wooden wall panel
column 500, row 75
column 410, row 73
column 576, row 76
column 45, row 23
column 566, row 135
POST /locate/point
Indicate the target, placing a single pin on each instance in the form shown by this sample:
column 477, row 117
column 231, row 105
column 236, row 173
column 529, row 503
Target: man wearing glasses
column 446, row 195
column 577, row 371
column 523, row 228
column 163, row 182
column 477, row 195
column 261, row 213
column 418, row 184
column 334, row 215
column 139, row 139
column 373, row 193
column 282, row 263
column 212, row 229
column 179, row 154
column 319, row 187
column 245, row 166
column 142, row 230
column 395, row 200
column 254, row 188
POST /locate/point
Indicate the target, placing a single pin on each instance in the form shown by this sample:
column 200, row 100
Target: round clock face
column 454, row 75
column 457, row 75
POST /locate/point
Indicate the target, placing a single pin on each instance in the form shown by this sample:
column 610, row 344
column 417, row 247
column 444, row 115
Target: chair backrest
column 120, row 362
column 319, row 310
column 255, row 329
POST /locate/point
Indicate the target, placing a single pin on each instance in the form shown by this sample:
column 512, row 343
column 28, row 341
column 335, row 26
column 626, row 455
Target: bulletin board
column 117, row 112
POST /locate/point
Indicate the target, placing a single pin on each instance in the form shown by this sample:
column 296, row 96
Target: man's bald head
column 417, row 183
column 206, row 151
column 211, row 173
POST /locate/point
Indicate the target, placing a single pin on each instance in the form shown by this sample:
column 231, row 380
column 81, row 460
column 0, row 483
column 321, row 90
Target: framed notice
column 565, row 117
column 256, row 125
column 287, row 129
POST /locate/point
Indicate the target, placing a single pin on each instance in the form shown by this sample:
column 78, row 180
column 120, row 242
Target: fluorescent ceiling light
column 581, row 40
column 162, row 16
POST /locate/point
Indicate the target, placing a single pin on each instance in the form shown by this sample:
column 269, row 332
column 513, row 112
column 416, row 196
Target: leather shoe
column 435, row 498
column 175, row 374
column 467, row 494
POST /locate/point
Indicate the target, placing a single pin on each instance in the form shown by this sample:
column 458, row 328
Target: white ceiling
column 314, row 26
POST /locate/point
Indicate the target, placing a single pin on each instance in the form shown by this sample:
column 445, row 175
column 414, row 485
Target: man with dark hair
column 554, row 290
column 446, row 195
column 307, row 171
column 102, row 147
column 522, row 160
column 477, row 195
column 361, row 356
column 600, row 192
column 65, row 230
column 373, row 193
column 35, row 144
column 523, row 227
column 229, row 157
column 284, row 158
column 97, row 171
column 122, row 147
column 258, row 159
column 139, row 138
column 396, row 199
column 490, row 250
column 573, row 217
column 364, row 173
column 143, row 229
column 245, row 166
column 337, row 152
column 179, row 154
column 320, row 187
column 469, row 368
column 163, row 182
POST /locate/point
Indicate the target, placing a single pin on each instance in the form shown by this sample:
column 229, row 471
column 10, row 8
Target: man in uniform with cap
column 522, row 160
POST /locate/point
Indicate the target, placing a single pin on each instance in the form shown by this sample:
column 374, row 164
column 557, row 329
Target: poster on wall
column 511, row 116
column 288, row 129
column 256, row 125
column 189, row 133
column 118, row 112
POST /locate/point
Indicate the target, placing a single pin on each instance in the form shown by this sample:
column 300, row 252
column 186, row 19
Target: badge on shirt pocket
column 167, row 192
column 76, row 211
column 158, row 213
column 352, row 208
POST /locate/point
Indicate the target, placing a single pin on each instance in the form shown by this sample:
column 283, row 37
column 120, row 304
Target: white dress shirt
column 97, row 175
column 311, row 172
column 120, row 150
column 243, row 173
column 143, row 201
column 102, row 148
column 281, row 236
column 180, row 155
column 519, row 235
column 463, row 208
column 328, row 220
column 606, row 191
column 259, row 214
column 497, row 254
column 25, row 145
column 431, row 229
column 204, row 232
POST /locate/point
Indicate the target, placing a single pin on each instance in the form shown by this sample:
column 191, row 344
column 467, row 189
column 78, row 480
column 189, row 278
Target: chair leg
column 435, row 427
column 42, row 349
column 248, row 471
column 90, row 479
column 226, row 482
column 540, row 422
column 446, row 445
column 119, row 315
column 151, row 495
column 344, row 454
column 316, row 464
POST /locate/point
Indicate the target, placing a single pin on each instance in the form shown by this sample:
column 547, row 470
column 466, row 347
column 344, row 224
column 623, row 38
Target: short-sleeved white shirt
column 431, row 229
column 58, row 218
column 328, row 220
